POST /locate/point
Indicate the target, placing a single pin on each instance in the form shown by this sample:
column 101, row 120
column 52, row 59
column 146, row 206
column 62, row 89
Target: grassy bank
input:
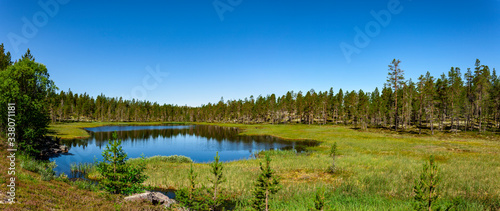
column 34, row 193
column 75, row 130
column 376, row 168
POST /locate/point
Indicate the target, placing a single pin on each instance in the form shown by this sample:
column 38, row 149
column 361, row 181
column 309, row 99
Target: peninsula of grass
column 75, row 130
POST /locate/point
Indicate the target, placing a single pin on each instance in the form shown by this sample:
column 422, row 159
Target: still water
column 199, row 142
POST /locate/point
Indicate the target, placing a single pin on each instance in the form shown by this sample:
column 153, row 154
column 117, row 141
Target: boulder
column 153, row 197
column 63, row 148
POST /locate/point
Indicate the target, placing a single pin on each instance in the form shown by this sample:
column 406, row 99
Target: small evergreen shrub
column 426, row 187
column 333, row 153
column 267, row 184
column 119, row 176
column 319, row 200
column 198, row 197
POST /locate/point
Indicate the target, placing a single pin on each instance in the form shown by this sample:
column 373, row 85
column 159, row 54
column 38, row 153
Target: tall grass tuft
column 44, row 168
column 82, row 167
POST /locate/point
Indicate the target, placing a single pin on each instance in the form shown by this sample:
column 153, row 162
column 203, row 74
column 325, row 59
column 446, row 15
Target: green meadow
column 375, row 169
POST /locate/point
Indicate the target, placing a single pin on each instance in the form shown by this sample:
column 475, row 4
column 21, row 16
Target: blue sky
column 259, row 48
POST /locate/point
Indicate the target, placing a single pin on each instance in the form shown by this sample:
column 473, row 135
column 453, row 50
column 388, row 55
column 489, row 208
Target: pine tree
column 119, row 177
column 426, row 187
column 363, row 106
column 395, row 80
column 5, row 58
column 429, row 92
column 495, row 98
column 455, row 84
column 469, row 99
column 481, row 86
column 217, row 179
column 267, row 185
column 333, row 153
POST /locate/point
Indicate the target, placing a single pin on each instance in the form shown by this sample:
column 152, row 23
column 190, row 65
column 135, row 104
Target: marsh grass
column 85, row 185
column 375, row 169
column 44, row 168
column 83, row 168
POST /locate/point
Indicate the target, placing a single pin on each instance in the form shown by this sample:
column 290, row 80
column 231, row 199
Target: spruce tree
column 5, row 58
column 426, row 187
column 267, row 184
column 333, row 153
column 119, row 177
column 217, row 179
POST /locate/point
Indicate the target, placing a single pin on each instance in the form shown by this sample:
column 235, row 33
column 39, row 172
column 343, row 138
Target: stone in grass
column 152, row 197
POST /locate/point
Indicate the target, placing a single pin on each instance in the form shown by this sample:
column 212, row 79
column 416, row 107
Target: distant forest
column 453, row 101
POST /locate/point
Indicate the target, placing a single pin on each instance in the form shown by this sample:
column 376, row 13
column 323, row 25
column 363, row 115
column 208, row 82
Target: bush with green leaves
column 426, row 187
column 26, row 83
column 119, row 176
column 267, row 185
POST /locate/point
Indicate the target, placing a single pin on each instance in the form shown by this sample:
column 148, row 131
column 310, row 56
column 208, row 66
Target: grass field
column 376, row 169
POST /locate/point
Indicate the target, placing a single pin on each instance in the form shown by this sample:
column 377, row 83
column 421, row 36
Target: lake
column 199, row 142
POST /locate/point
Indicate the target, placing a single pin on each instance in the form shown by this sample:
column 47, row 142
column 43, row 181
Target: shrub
column 426, row 187
column 48, row 173
column 194, row 197
column 333, row 153
column 119, row 176
column 218, row 178
column 267, row 184
column 319, row 200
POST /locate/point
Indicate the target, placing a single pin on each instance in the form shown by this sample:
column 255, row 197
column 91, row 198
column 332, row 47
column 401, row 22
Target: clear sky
column 239, row 48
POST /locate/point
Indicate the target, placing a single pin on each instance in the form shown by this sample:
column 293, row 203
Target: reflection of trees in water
column 210, row 132
column 75, row 142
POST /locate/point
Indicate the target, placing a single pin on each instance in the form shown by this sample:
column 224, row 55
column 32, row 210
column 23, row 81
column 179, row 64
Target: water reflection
column 199, row 142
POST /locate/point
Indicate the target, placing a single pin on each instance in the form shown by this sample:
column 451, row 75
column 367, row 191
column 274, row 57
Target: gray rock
column 153, row 197
column 63, row 148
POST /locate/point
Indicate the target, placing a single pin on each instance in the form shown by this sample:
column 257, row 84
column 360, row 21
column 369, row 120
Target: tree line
column 456, row 101
column 453, row 101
